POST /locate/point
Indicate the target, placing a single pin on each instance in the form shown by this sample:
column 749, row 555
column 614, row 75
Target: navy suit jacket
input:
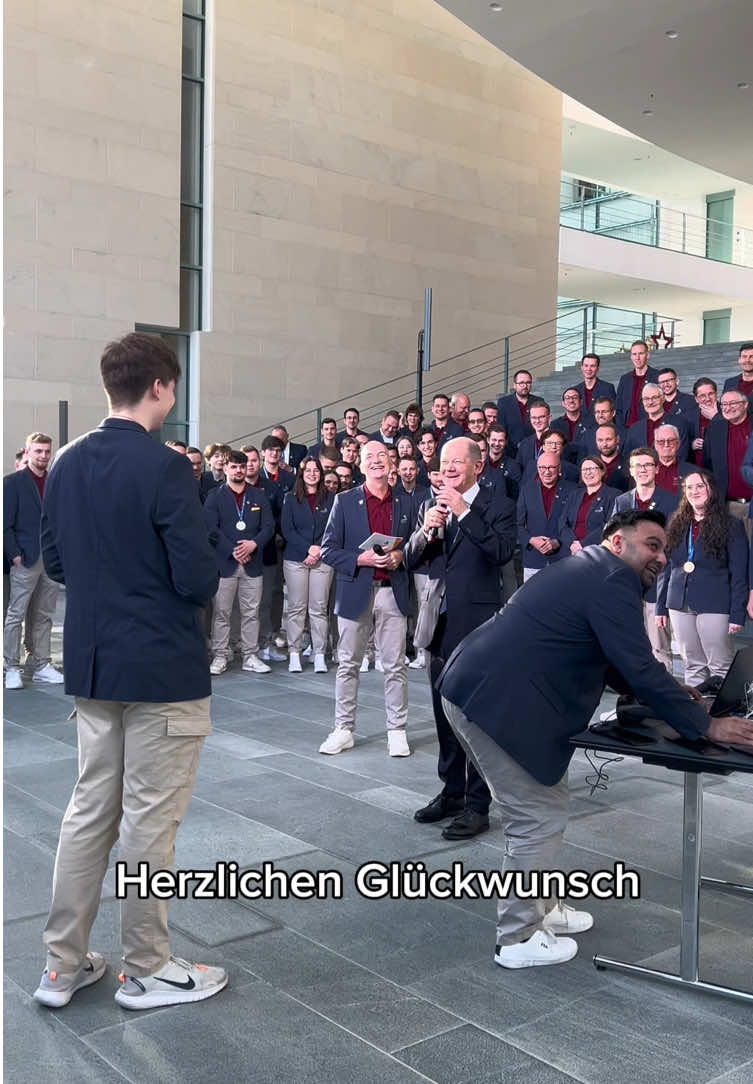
column 686, row 407
column 450, row 431
column 207, row 483
column 598, row 516
column 275, row 491
column 533, row 675
column 420, row 494
column 662, row 501
column 625, row 393
column 470, row 565
column 508, row 414
column 527, row 452
column 715, row 586
column 715, row 454
column 301, row 527
column 733, row 382
column 221, row 515
column 636, row 435
column 532, row 521
column 347, row 528
column 122, row 528
column 510, row 470
column 297, row 452
column 601, row 389
column 580, row 435
column 22, row 511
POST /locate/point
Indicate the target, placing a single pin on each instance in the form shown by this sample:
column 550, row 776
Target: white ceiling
column 622, row 291
column 614, row 56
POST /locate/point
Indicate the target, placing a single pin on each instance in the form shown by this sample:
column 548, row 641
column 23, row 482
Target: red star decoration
column 661, row 337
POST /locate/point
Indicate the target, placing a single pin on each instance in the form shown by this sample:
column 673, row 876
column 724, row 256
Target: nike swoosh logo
column 189, row 985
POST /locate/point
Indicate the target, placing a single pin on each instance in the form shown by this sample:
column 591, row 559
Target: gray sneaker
column 177, row 983
column 56, row 989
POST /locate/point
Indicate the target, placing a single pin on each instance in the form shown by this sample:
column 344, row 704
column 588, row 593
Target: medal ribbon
column 241, row 517
column 691, row 544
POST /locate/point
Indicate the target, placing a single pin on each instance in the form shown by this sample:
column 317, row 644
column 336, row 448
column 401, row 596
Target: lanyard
column 242, row 507
column 691, row 544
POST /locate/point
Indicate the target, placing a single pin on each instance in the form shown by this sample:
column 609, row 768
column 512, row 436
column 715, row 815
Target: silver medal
column 240, row 525
column 689, row 566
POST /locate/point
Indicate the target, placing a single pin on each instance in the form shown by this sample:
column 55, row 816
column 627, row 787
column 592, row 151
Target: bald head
column 375, row 462
column 548, row 469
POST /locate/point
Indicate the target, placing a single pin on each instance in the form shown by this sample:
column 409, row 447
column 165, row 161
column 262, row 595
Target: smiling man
column 514, row 710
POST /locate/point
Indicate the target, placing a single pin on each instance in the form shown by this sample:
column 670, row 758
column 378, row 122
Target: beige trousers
column 308, row 592
column 661, row 639
column 390, row 626
column 248, row 589
column 137, row 764
column 33, row 597
column 705, row 644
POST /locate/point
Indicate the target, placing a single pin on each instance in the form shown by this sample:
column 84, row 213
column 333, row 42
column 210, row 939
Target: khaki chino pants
column 308, row 592
column 389, row 633
column 248, row 590
column 33, row 597
column 137, row 766
column 705, row 644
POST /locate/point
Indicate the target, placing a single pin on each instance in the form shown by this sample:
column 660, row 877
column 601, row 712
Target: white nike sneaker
column 320, row 665
column 565, row 919
column 337, row 742
column 218, row 665
column 48, row 675
column 254, row 664
column 177, row 983
column 397, row 743
column 539, row 950
column 13, row 679
column 294, row 663
column 56, row 989
column 419, row 663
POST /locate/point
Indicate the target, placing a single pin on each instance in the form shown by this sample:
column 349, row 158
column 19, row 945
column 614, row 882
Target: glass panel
column 175, row 426
column 190, row 235
column 193, row 34
column 716, row 326
column 193, row 7
column 190, row 157
column 719, row 213
column 190, row 294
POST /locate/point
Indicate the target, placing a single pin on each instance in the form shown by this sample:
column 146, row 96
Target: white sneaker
column 397, row 744
column 218, row 665
column 174, row 984
column 320, row 666
column 365, row 664
column 565, row 919
column 337, row 742
column 13, row 679
column 280, row 640
column 271, row 654
column 378, row 665
column 294, row 665
column 48, row 675
column 56, row 990
column 307, row 652
column 255, row 665
column 419, row 663
column 540, row 949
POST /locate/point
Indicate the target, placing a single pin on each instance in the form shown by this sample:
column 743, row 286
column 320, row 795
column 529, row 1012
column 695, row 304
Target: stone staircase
column 718, row 361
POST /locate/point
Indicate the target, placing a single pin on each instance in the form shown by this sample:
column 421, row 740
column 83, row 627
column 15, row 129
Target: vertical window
column 192, row 164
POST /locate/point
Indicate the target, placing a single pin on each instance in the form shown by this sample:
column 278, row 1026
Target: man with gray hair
column 671, row 469
column 641, row 433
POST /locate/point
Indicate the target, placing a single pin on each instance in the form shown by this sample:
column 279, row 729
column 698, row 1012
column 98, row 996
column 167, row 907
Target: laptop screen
column 736, row 692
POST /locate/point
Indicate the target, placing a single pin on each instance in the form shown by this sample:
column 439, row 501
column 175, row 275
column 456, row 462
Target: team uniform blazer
column 122, row 528
column 661, row 501
column 469, row 570
column 684, row 406
column 297, row 453
column 598, row 516
column 533, row 675
column 601, row 389
column 221, row 514
column 636, row 435
column 572, row 447
column 302, row 528
column 508, row 414
column 532, row 521
column 420, row 494
column 510, row 470
column 22, row 511
column 716, row 586
column 715, row 454
column 625, row 394
column 347, row 528
column 619, row 478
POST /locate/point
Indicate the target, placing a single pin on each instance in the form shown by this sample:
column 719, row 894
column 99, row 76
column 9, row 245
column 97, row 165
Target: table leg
column 692, row 828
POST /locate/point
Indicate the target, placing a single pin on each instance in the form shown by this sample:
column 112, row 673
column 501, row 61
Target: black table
column 652, row 749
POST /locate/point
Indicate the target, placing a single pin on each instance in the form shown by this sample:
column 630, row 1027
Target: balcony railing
column 646, row 222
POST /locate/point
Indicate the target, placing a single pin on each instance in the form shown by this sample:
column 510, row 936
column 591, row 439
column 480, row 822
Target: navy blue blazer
column 527, row 452
column 733, row 382
column 625, row 393
column 347, row 528
column 580, row 434
column 636, row 435
column 661, row 501
column 221, row 515
column 383, row 440
column 715, row 454
column 301, row 527
column 122, row 528
column 508, row 414
column 297, row 453
column 686, row 407
column 420, row 494
column 619, row 477
column 469, row 563
column 598, row 516
column 510, row 470
column 601, row 389
column 207, row 483
column 716, row 586
column 533, row 675
column 532, row 521
column 450, row 431
column 22, row 511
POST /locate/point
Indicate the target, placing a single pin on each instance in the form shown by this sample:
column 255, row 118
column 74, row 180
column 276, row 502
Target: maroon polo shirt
column 643, row 505
column 523, row 408
column 703, row 423
column 610, row 468
column 239, row 496
column 588, row 394
column 668, row 477
column 379, row 512
column 635, row 399
column 737, row 443
column 580, row 529
column 651, row 427
column 39, row 481
column 311, row 498
column 548, row 493
column 571, row 427
column 745, row 386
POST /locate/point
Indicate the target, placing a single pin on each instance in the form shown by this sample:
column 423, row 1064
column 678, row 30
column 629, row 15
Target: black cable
column 597, row 762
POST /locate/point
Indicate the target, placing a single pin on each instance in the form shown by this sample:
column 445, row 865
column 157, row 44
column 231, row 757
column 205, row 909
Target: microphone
column 436, row 534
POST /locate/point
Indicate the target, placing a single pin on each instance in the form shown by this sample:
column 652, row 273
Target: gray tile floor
column 373, row 991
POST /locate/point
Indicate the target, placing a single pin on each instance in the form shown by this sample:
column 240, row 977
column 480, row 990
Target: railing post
column 62, row 422
column 420, row 368
column 507, row 365
column 643, row 326
column 585, row 330
column 592, row 344
column 684, row 231
column 318, row 422
column 582, row 210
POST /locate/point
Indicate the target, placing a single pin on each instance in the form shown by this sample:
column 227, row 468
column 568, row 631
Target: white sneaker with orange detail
column 177, row 983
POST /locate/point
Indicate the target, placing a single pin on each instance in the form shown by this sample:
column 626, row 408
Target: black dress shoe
column 438, row 808
column 467, row 825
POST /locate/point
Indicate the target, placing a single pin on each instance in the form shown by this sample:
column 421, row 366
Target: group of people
column 465, row 507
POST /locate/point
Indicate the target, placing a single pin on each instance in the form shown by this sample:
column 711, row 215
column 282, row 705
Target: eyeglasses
column 543, row 466
column 590, row 470
column 644, row 466
column 652, row 398
column 732, row 403
column 667, row 440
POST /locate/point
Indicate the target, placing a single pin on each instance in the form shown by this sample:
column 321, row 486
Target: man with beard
column 514, row 715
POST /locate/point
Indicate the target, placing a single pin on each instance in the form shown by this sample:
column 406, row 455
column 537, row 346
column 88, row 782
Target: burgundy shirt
column 571, row 427
column 311, row 498
column 239, row 497
column 580, row 530
column 668, row 477
column 38, row 481
column 380, row 521
column 745, row 386
column 703, row 423
column 651, row 428
column 548, row 493
column 643, row 505
column 737, row 443
column 588, row 394
column 635, row 400
column 610, row 469
column 523, row 408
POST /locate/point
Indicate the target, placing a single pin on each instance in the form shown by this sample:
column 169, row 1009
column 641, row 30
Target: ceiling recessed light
column 648, row 112
column 743, row 86
column 671, row 34
column 496, row 8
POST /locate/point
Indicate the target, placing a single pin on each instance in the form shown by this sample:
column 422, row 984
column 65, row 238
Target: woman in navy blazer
column 588, row 508
column 704, row 586
column 305, row 512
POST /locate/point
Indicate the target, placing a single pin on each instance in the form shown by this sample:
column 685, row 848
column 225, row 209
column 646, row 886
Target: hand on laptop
column 731, row 730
